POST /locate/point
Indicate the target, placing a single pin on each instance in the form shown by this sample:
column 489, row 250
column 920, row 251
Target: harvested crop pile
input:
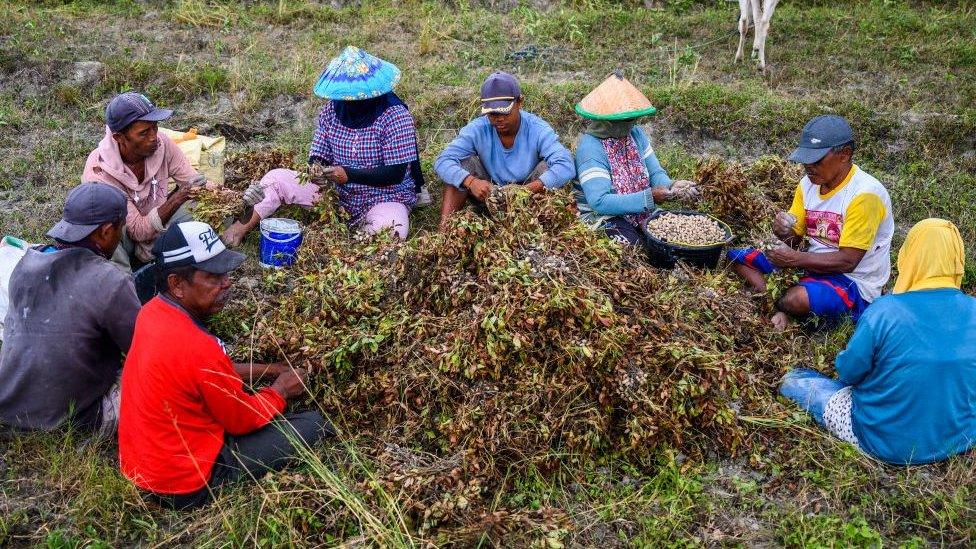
column 517, row 341
column 747, row 197
column 692, row 230
column 215, row 205
column 241, row 168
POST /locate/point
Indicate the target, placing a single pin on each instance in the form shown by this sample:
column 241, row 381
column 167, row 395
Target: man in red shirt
column 186, row 424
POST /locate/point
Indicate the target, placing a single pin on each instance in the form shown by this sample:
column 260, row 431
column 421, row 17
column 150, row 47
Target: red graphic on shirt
column 825, row 227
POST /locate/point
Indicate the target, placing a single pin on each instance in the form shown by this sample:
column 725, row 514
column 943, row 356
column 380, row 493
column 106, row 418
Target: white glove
column 683, row 188
column 254, row 193
column 783, row 224
column 198, row 180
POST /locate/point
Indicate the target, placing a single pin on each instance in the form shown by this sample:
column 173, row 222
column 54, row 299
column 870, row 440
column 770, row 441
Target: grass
column 903, row 72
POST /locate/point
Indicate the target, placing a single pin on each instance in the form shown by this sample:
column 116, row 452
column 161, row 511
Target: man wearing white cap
column 70, row 320
column 186, row 425
column 505, row 145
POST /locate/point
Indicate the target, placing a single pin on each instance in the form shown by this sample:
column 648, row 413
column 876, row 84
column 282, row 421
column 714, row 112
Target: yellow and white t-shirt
column 856, row 214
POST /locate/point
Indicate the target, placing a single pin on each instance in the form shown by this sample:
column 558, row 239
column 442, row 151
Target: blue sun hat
column 355, row 75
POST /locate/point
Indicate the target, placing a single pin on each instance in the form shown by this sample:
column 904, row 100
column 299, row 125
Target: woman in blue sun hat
column 366, row 142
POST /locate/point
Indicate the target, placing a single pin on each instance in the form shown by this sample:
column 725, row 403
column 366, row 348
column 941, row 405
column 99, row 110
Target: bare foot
column 234, row 235
column 780, row 321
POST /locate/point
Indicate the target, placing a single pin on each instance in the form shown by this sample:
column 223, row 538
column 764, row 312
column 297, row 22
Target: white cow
column 759, row 13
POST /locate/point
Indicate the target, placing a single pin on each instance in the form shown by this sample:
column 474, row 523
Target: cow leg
column 745, row 15
column 762, row 27
column 756, row 6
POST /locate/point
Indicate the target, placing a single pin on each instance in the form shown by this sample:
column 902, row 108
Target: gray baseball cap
column 126, row 108
column 821, row 134
column 88, row 206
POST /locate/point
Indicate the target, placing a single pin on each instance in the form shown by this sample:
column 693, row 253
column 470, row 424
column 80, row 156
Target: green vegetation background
column 903, row 72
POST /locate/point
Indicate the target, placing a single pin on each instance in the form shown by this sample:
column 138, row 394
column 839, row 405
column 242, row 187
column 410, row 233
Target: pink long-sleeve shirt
column 142, row 219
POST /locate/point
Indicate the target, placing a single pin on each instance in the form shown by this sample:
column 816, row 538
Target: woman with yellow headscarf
column 906, row 384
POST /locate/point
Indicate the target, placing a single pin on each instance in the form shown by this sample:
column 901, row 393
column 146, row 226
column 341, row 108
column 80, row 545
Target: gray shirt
column 71, row 316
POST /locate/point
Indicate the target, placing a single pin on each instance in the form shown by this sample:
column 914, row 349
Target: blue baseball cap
column 821, row 134
column 499, row 93
column 126, row 108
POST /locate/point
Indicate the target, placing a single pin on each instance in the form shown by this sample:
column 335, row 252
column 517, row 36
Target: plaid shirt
column 390, row 140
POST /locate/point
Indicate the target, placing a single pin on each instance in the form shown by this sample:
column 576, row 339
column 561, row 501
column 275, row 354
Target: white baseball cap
column 196, row 244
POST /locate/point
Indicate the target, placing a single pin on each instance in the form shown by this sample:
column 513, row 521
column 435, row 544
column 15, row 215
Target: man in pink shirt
column 141, row 162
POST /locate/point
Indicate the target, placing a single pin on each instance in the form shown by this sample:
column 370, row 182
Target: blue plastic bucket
column 280, row 239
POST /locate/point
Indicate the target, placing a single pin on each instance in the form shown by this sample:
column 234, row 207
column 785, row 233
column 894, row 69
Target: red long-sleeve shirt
column 180, row 395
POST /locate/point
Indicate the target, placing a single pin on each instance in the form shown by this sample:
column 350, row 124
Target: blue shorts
column 832, row 296
column 751, row 257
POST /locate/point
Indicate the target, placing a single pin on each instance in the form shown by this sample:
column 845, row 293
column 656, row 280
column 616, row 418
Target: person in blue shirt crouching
column 505, row 145
column 621, row 180
column 905, row 391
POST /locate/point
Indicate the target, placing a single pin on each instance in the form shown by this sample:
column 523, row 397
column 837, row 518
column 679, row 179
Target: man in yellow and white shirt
column 838, row 231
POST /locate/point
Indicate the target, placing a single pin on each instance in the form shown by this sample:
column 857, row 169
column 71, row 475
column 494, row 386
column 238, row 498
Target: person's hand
column 783, row 256
column 783, row 225
column 479, row 188
column 182, row 194
column 660, row 194
column 685, row 189
column 316, row 174
column 536, row 186
column 336, row 174
column 290, row 383
column 254, row 193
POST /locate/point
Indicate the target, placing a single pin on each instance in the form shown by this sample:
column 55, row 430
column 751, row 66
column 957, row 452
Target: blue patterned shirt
column 390, row 140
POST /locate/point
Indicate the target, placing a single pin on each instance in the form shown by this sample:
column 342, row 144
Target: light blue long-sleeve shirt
column 535, row 141
column 595, row 196
column 912, row 365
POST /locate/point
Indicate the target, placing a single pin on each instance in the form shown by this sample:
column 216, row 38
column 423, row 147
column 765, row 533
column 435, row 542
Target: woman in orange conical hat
column 621, row 181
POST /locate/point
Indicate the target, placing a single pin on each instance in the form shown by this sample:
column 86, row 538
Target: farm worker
column 137, row 159
column 505, row 145
column 70, row 320
column 620, row 178
column 186, row 424
column 838, row 231
column 905, row 391
column 366, row 143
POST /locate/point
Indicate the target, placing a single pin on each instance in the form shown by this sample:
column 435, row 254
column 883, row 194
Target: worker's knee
column 311, row 426
column 795, row 302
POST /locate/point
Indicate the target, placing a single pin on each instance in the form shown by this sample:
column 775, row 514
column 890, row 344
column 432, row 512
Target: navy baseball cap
column 195, row 244
column 126, row 108
column 88, row 206
column 821, row 134
column 499, row 93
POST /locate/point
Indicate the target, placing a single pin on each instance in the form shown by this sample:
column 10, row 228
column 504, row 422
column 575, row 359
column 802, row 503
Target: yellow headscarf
column 931, row 257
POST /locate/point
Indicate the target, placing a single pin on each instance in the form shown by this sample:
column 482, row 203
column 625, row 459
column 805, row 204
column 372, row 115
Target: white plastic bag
column 11, row 252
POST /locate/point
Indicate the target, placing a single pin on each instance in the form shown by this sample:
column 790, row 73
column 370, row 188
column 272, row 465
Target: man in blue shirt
column 504, row 146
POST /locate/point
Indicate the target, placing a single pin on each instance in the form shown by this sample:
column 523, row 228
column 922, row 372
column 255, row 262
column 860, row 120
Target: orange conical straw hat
column 615, row 99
